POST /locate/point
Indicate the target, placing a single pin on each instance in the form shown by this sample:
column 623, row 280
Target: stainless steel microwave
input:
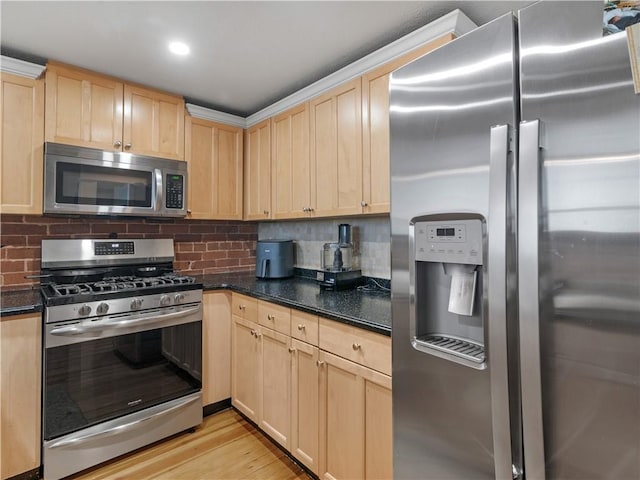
column 81, row 180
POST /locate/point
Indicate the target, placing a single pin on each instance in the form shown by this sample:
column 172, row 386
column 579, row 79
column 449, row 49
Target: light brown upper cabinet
column 336, row 151
column 21, row 136
column 375, row 129
column 214, row 154
column 291, row 170
column 257, row 167
column 91, row 110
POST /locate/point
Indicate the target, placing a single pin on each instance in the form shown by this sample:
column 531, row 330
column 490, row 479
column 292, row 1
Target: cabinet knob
column 266, row 212
column 319, row 363
column 356, row 346
column 117, row 144
column 364, row 204
column 301, row 327
column 241, row 307
column 188, row 212
column 253, row 332
column 311, row 209
column 271, row 317
column 305, row 209
column 258, row 334
column 127, row 146
column 291, row 349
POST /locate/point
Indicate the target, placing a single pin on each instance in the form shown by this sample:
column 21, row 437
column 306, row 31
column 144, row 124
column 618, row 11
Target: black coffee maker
column 337, row 262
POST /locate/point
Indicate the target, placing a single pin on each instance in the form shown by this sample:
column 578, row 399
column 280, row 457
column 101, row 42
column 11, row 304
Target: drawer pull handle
column 291, row 350
column 356, row 346
column 271, row 317
column 301, row 326
column 319, row 363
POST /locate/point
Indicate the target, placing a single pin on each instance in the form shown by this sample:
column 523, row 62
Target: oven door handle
column 128, row 322
column 74, row 439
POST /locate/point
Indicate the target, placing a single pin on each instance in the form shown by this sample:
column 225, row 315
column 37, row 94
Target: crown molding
column 215, row 116
column 20, row 67
column 455, row 22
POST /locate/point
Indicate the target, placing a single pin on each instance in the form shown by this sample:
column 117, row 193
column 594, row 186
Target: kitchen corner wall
column 371, row 238
column 201, row 247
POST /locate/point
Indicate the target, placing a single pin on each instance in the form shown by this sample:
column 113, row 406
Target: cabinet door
column 20, row 390
column 246, row 377
column 291, row 178
column 355, row 421
column 275, row 418
column 214, row 154
column 83, row 108
column 216, row 347
column 257, row 165
column 153, row 123
column 336, row 151
column 304, row 404
column 342, row 419
column 378, row 427
column 375, row 129
column 21, row 136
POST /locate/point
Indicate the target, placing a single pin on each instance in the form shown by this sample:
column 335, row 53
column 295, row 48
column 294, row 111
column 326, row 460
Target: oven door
column 100, row 369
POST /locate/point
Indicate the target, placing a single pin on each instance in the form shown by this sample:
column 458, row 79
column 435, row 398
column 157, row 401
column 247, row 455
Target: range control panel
column 455, row 241
column 114, row 248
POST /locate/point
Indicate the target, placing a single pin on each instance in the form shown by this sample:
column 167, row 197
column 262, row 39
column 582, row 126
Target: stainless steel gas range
column 122, row 350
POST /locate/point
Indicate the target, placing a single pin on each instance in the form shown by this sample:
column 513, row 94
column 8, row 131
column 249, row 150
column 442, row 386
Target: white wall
column 371, row 238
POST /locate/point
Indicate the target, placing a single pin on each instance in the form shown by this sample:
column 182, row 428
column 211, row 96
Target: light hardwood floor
column 225, row 447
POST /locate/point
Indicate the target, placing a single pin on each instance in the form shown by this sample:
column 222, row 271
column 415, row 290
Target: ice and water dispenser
column 447, row 311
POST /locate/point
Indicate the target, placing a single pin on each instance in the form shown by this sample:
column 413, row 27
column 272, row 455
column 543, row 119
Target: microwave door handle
column 159, row 190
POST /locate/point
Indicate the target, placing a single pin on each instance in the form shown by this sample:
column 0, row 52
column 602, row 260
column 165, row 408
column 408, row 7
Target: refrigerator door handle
column 500, row 142
column 529, row 297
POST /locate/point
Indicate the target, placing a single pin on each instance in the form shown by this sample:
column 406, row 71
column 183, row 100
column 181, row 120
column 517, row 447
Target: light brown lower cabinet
column 245, row 368
column 355, row 421
column 20, row 388
column 304, row 404
column 261, row 377
column 333, row 414
column 275, row 387
column 216, row 347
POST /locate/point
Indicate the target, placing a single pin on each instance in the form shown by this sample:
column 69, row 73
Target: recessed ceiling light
column 179, row 48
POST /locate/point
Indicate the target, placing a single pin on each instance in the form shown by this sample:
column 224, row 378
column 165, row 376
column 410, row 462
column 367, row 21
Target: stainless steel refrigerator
column 515, row 252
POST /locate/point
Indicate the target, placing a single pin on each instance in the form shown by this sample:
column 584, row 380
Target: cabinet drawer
column 304, row 326
column 370, row 349
column 244, row 307
column 274, row 316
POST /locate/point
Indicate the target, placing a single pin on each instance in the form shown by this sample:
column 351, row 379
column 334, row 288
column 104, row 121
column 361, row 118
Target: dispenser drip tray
column 459, row 347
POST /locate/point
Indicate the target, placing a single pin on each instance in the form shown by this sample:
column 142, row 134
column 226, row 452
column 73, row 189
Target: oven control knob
column 102, row 308
column 84, row 310
column 165, row 300
column 178, row 298
column 136, row 303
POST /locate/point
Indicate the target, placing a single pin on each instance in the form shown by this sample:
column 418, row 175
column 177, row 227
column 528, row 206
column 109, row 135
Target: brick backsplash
column 201, row 246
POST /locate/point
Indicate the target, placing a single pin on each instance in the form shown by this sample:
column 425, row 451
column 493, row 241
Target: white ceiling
column 244, row 55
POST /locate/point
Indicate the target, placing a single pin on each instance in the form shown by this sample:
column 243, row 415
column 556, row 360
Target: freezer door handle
column 500, row 152
column 529, row 297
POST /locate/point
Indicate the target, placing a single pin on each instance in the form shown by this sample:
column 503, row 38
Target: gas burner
column 120, row 284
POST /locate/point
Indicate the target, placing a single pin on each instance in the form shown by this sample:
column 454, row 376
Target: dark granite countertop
column 17, row 302
column 364, row 309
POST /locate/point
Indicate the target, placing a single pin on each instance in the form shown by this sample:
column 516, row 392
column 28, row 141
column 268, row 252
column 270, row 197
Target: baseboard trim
column 216, row 407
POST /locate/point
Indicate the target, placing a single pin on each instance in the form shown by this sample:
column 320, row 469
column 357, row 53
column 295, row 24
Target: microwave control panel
column 456, row 241
column 174, row 193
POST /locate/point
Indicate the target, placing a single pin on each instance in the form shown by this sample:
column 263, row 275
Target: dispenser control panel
column 455, row 241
